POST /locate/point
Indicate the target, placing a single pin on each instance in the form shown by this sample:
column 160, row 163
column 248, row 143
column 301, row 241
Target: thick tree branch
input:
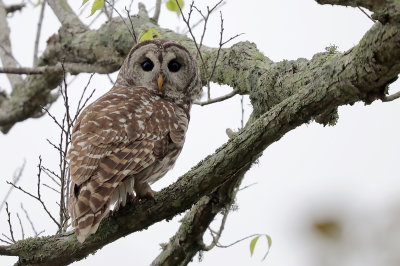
column 386, row 11
column 6, row 56
column 66, row 15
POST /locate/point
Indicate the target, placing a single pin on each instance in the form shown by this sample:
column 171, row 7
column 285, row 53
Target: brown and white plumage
column 132, row 135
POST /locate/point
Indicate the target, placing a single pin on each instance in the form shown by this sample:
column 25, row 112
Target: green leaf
column 253, row 244
column 84, row 2
column 148, row 35
column 269, row 246
column 98, row 4
column 173, row 6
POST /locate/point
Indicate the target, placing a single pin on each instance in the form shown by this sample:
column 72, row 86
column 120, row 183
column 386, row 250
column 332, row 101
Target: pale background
column 346, row 175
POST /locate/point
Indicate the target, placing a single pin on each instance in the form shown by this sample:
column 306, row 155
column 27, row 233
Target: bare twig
column 237, row 241
column 245, row 187
column 241, row 104
column 202, row 19
column 20, row 225
column 218, row 99
column 365, row 13
column 132, row 28
column 55, row 190
column 30, row 221
column 218, row 234
column 187, row 22
column 16, row 177
column 110, row 79
column 8, row 238
column 79, row 108
column 38, row 197
column 5, row 241
column 9, row 224
column 38, row 31
column 55, row 146
column 53, row 117
column 157, row 11
column 392, row 97
column 205, row 19
column 132, row 32
column 50, row 174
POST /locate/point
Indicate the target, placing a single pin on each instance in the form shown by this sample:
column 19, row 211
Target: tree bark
column 284, row 96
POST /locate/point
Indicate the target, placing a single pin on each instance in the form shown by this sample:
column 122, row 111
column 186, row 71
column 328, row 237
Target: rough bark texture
column 284, row 95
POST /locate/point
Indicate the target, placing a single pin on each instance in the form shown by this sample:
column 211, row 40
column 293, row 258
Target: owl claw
column 143, row 191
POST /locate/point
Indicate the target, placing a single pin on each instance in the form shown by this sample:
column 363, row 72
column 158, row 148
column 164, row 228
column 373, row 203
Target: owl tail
column 84, row 219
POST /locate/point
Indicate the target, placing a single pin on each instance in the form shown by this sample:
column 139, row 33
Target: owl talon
column 143, row 191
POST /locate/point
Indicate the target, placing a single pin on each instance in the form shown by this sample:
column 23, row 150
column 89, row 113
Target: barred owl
column 132, row 135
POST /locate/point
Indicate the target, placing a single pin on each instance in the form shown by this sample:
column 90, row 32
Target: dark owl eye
column 147, row 65
column 174, row 66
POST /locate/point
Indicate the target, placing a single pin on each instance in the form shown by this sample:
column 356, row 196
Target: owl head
column 165, row 67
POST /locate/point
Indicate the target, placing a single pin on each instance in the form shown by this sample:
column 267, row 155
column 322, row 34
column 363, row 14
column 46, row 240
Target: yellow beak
column 160, row 82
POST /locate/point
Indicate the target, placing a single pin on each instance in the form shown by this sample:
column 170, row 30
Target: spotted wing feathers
column 120, row 139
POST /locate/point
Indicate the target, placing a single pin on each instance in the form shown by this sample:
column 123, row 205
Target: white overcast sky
column 348, row 171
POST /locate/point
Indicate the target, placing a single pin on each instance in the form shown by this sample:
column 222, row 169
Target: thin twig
column 49, row 173
column 110, row 79
column 22, row 228
column 123, row 20
column 218, row 99
column 241, row 104
column 392, row 97
column 45, row 185
column 30, row 221
column 4, row 241
column 365, row 13
column 157, row 11
column 237, row 241
column 245, row 187
column 9, row 239
column 52, row 117
column 218, row 234
column 9, row 223
column 16, row 177
column 202, row 19
column 38, row 31
column 38, row 197
column 187, row 22
column 133, row 28
column 54, row 146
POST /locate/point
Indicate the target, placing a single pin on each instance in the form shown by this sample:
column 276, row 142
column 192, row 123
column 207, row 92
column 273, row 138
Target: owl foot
column 143, row 191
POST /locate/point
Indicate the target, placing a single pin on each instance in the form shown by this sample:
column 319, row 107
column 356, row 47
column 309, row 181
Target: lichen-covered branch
column 6, row 56
column 386, row 11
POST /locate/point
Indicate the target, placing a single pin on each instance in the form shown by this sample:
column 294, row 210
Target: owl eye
column 147, row 65
column 174, row 66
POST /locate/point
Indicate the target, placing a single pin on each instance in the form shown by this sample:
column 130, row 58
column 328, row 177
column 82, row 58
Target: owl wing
column 118, row 135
